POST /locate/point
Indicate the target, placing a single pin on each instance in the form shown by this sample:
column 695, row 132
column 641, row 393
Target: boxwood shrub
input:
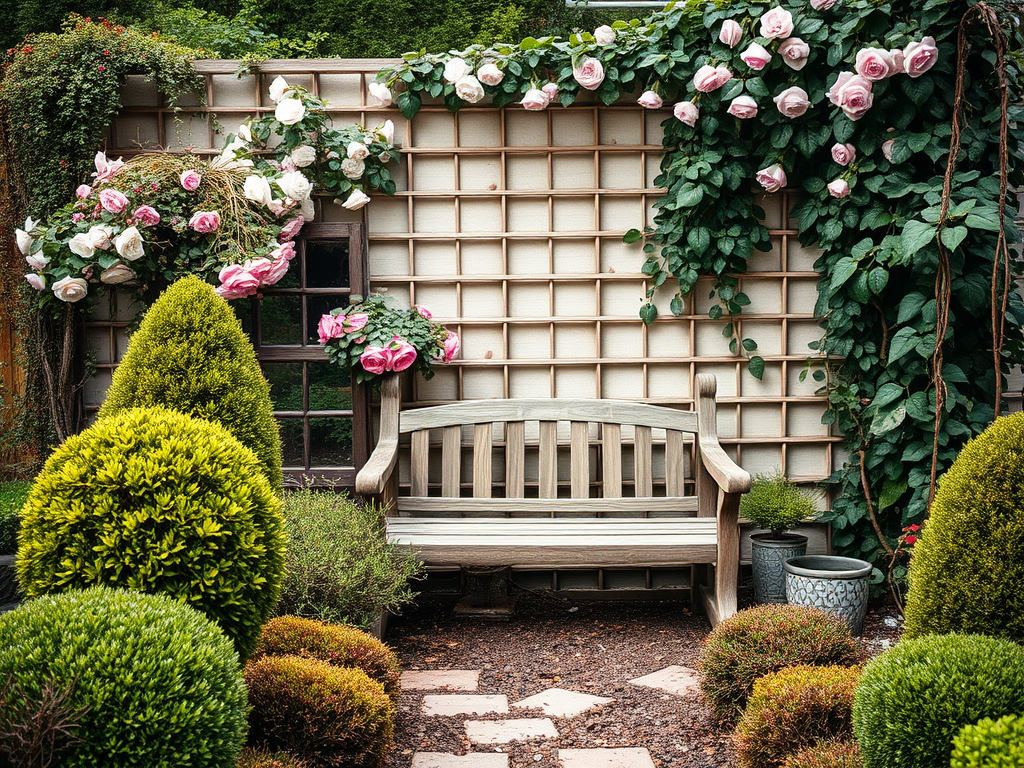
column 191, row 354
column 765, row 639
column 159, row 502
column 12, row 496
column 827, row 754
column 795, row 708
column 330, row 717
column 990, row 744
column 155, row 683
column 967, row 574
column 913, row 700
column 334, row 644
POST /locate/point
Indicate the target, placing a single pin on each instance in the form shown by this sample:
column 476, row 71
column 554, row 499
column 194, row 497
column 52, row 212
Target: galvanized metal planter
column 768, row 553
column 834, row 584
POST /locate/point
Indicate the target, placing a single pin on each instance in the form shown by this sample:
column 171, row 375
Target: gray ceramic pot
column 834, row 584
column 768, row 552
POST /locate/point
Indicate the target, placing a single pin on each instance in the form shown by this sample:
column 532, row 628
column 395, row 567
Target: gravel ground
column 593, row 647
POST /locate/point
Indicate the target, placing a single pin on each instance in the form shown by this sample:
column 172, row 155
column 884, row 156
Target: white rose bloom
column 37, row 261
column 605, row 35
column 357, row 151
column 469, row 89
column 71, row 289
column 277, row 89
column 31, row 223
column 117, row 274
column 244, row 133
column 455, row 70
column 380, row 93
column 129, row 244
column 24, row 241
column 100, row 236
column 290, row 111
column 353, row 169
column 303, row 155
column 257, row 189
column 82, row 245
column 308, row 210
column 356, row 200
column 387, row 132
column 489, row 74
column 295, row 185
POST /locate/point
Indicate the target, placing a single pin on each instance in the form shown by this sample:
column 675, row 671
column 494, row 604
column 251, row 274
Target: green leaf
column 910, row 306
column 891, row 492
column 842, row 271
column 952, row 237
column 677, row 305
column 877, row 280
column 699, row 239
column 903, row 341
column 632, row 236
column 648, row 313
column 886, row 395
column 888, row 420
column 916, row 235
column 756, row 367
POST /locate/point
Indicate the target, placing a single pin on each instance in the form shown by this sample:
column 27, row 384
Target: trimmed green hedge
column 12, row 498
column 990, row 744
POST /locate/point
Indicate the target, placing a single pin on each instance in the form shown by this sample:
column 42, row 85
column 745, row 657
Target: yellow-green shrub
column 990, row 744
column 261, row 758
column 967, row 574
column 827, row 754
column 159, row 502
column 330, row 717
column 795, row 708
column 191, row 354
column 334, row 644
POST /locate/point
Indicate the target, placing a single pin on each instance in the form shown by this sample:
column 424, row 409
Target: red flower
column 910, row 540
column 102, row 68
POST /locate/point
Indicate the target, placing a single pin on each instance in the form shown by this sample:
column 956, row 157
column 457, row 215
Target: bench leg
column 719, row 594
column 486, row 595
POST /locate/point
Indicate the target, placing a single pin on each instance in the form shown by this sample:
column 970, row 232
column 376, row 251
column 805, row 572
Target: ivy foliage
column 884, row 235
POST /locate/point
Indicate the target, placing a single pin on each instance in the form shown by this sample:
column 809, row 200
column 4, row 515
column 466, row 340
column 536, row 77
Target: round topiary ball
column 765, row 639
column 990, row 744
column 329, row 717
column 827, row 754
column 967, row 573
column 914, row 699
column 335, row 644
column 191, row 354
column 150, row 682
column 158, row 502
column 792, row 709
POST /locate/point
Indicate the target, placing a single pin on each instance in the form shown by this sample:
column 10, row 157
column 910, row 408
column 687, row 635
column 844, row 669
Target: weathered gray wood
column 557, row 409
column 675, row 468
column 730, row 477
column 451, row 461
column 515, row 459
column 642, row 467
column 419, row 463
column 611, row 460
column 374, row 474
column 579, row 459
column 500, row 507
column 482, row 461
column 548, row 460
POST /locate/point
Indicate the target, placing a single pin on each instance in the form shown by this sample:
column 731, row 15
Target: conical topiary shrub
column 191, row 354
column 967, row 574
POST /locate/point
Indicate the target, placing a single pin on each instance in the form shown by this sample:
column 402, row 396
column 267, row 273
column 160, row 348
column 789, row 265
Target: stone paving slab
column 679, row 681
column 504, row 731
column 627, row 757
column 464, row 704
column 558, row 702
column 435, row 679
column 472, row 760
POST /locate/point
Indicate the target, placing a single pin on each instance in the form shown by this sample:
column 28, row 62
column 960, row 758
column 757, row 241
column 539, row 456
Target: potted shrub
column 777, row 504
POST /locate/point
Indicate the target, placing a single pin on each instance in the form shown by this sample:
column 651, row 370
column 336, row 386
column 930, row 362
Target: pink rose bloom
column 731, row 33
column 205, row 221
column 36, row 281
column 37, row 261
column 285, row 250
column 424, row 312
column 355, row 322
column 288, row 165
column 375, row 360
column 898, row 59
column 291, row 229
column 650, row 100
column 839, row 188
column 875, row 64
column 852, row 93
column 236, row 282
column 106, row 168
column 772, row 178
column 259, row 268
column 743, row 107
column 792, row 102
column 535, row 100
column 918, row 58
column 589, row 74
column 756, row 56
column 822, row 5
column 710, row 78
column 278, row 269
column 777, row 23
column 551, row 90
column 686, row 112
column 190, row 180
column 887, row 149
column 403, row 354
column 113, row 201
column 147, row 215
column 843, row 154
column 794, row 52
column 83, row 191
column 330, row 327
column 452, row 345
column 77, row 217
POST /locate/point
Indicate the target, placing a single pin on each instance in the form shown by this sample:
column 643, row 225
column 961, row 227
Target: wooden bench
column 499, row 525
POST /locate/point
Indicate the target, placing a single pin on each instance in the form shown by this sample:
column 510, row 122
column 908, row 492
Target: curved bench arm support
column 373, row 477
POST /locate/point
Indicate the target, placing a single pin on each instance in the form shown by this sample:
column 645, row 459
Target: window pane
column 243, row 311
column 330, row 442
column 316, row 307
column 285, row 385
column 326, row 264
column 281, row 320
column 291, row 443
column 330, row 387
column 291, row 278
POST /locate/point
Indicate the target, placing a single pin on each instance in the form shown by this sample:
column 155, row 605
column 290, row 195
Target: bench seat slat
column 501, row 507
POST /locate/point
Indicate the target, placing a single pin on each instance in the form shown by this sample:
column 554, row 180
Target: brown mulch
column 593, row 647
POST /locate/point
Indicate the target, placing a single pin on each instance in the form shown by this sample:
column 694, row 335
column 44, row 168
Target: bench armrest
column 374, row 475
column 731, row 478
